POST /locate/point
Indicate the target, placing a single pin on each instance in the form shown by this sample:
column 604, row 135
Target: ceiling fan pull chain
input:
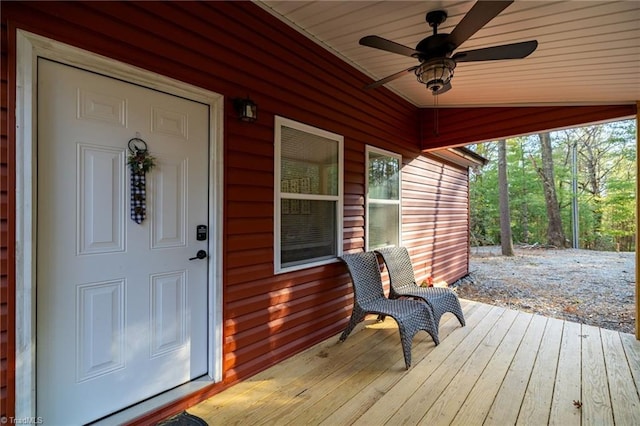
column 435, row 115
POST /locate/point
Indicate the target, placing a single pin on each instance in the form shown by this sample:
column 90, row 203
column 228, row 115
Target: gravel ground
column 589, row 287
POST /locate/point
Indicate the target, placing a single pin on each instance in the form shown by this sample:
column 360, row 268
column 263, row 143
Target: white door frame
column 29, row 47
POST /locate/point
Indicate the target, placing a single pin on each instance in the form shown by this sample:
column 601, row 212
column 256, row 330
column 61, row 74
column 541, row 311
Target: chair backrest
column 365, row 276
column 399, row 265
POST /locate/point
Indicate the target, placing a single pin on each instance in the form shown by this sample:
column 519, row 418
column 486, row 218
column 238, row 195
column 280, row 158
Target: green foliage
column 485, row 219
column 606, row 196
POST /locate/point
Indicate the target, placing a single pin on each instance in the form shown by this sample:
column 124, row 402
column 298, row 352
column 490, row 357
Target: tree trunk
column 555, row 235
column 505, row 215
column 524, row 208
column 593, row 156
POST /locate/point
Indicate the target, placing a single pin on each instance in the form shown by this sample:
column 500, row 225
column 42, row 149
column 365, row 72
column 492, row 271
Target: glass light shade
column 246, row 109
column 436, row 73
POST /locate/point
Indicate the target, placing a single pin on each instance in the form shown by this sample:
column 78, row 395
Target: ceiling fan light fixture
column 436, row 73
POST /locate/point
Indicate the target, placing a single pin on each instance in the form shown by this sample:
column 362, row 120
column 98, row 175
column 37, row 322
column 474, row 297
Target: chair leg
column 460, row 317
column 356, row 316
column 453, row 305
column 448, row 303
column 409, row 329
column 406, row 339
column 429, row 323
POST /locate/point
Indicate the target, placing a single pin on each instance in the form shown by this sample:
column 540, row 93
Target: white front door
column 121, row 310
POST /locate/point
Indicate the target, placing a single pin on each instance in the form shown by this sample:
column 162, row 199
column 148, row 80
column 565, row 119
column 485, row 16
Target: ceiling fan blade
column 443, row 89
column 506, row 51
column 389, row 78
column 480, row 14
column 388, row 45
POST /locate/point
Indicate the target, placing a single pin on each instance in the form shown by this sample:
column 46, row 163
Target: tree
column 606, row 192
column 555, row 234
column 483, row 198
column 605, row 152
column 506, row 240
column 524, row 205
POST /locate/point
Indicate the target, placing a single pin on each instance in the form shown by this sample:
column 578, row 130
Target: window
column 308, row 196
column 383, row 217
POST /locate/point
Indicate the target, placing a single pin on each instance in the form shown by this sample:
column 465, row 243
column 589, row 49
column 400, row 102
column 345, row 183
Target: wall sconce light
column 246, row 109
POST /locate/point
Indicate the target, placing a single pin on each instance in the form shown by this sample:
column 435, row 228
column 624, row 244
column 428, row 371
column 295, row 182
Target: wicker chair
column 403, row 283
column 411, row 315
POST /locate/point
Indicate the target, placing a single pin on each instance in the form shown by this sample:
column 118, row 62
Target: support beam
column 637, row 221
column 462, row 126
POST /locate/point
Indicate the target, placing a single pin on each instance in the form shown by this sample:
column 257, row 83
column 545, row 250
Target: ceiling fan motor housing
column 434, row 46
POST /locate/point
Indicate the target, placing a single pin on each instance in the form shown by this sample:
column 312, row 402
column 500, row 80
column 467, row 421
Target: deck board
column 353, row 409
column 567, row 383
column 507, row 402
column 411, row 391
column 536, row 404
column 632, row 351
column 455, row 391
column 504, row 367
column 596, row 401
column 621, row 385
column 477, row 404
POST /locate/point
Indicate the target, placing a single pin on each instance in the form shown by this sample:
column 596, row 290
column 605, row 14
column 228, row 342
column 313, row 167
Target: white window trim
column 339, row 199
column 368, row 149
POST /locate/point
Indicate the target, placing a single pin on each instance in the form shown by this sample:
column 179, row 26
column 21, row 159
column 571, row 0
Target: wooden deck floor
column 504, row 368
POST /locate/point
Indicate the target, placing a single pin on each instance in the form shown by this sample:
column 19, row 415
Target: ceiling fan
column 435, row 51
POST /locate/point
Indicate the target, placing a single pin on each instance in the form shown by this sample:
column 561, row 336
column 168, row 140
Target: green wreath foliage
column 141, row 161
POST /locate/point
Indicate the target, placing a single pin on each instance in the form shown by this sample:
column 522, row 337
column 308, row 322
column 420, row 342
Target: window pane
column 383, row 225
column 309, row 163
column 308, row 231
column 384, row 172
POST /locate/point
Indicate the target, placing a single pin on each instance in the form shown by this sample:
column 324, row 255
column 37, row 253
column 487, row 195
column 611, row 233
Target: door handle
column 201, row 254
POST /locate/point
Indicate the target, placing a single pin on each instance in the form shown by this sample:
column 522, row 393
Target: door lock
column 201, row 254
column 201, row 232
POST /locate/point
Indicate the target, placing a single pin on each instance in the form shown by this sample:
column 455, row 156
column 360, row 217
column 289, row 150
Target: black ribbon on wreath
column 140, row 162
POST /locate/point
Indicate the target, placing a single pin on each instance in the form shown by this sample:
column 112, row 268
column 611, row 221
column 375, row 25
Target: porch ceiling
column 588, row 52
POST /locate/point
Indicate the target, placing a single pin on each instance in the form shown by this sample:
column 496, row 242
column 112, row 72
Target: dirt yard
column 589, row 287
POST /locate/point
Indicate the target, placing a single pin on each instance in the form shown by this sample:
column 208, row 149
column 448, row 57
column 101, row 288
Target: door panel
column 100, row 331
column 100, row 219
column 121, row 310
column 169, row 317
column 169, row 230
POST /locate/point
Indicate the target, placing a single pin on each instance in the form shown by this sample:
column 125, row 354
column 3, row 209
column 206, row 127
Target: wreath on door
column 140, row 162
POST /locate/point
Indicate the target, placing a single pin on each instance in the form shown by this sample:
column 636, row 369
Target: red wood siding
column 462, row 126
column 435, row 218
column 266, row 317
column 7, row 238
column 237, row 49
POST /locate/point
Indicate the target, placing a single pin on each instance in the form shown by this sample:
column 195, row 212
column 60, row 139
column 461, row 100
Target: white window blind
column 308, row 196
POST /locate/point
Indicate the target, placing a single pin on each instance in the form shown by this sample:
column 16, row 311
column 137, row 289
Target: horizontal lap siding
column 237, row 49
column 435, row 213
column 435, row 218
column 7, row 236
column 267, row 317
column 463, row 126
